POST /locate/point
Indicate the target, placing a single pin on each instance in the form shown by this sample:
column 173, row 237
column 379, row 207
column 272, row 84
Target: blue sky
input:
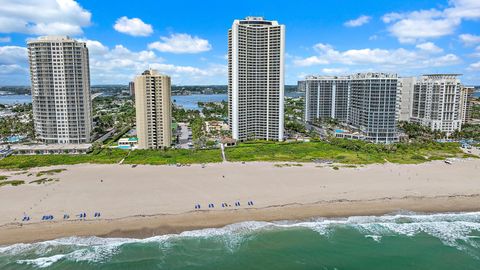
column 188, row 39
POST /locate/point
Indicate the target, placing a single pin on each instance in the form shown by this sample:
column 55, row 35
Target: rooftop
column 256, row 21
column 51, row 38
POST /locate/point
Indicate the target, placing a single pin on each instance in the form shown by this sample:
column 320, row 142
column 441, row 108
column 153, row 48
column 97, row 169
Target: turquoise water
column 190, row 102
column 401, row 241
column 14, row 139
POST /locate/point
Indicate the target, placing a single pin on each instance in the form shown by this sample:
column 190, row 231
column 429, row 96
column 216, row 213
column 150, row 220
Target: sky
column 188, row 39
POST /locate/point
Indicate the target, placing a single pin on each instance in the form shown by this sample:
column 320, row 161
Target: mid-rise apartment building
column 60, row 79
column 153, row 110
column 326, row 97
column 367, row 102
column 437, row 102
column 374, row 99
column 256, row 49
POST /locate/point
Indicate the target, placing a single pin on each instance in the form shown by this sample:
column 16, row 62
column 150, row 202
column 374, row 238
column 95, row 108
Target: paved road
column 185, row 136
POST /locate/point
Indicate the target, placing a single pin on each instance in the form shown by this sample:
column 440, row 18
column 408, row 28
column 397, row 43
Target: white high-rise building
column 366, row 102
column 374, row 99
column 60, row 78
column 256, row 49
column 437, row 102
column 326, row 97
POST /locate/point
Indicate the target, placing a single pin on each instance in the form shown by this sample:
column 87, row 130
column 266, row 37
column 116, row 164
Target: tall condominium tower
column 131, row 89
column 374, row 101
column 153, row 110
column 406, row 85
column 466, row 99
column 60, row 78
column 256, row 49
column 326, row 97
column 437, row 102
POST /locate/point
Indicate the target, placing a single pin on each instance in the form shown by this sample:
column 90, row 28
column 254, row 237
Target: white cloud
column 363, row 19
column 13, row 55
column 474, row 66
column 378, row 58
column 134, row 27
column 13, row 65
column 309, row 61
column 469, row 39
column 120, row 65
column 46, row 17
column 181, row 43
column 114, row 65
column 12, row 69
column 5, row 39
column 433, row 23
column 476, row 53
column 429, row 47
column 95, row 47
column 334, row 71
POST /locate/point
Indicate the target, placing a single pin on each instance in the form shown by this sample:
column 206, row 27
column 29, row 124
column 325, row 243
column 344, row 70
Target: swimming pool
column 14, row 139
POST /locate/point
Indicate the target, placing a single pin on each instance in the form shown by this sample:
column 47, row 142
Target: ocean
column 396, row 241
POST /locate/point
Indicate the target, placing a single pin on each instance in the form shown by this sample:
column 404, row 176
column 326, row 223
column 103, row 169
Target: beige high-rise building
column 466, row 98
column 153, row 109
column 60, row 77
column 406, row 85
column 437, row 102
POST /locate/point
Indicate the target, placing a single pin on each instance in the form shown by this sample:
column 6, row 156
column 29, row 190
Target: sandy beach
column 144, row 200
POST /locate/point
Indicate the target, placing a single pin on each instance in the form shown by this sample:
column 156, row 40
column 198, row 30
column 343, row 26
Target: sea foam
column 453, row 229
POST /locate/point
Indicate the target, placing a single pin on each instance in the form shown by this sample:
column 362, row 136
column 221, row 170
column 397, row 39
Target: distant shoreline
column 154, row 200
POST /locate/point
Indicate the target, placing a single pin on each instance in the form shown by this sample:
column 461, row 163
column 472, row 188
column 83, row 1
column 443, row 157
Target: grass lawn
column 342, row 151
column 29, row 161
column 182, row 156
column 337, row 150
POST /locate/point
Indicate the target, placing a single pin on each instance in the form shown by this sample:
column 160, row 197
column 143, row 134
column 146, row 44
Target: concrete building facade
column 367, row 102
column 256, row 49
column 437, row 102
column 374, row 100
column 60, row 80
column 326, row 97
column 466, row 101
column 406, row 85
column 153, row 110
column 131, row 89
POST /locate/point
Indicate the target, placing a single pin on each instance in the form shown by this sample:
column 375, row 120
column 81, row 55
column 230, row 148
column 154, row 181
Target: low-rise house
column 128, row 143
column 50, row 149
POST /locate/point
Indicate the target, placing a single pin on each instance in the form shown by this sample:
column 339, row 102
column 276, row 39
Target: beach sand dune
column 146, row 200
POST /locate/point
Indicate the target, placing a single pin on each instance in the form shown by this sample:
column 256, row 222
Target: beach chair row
column 65, row 216
column 223, row 205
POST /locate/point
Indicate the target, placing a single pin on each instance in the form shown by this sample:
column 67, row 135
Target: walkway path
column 223, row 152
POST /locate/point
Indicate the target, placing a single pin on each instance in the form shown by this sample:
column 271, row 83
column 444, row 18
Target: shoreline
column 149, row 200
column 162, row 224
